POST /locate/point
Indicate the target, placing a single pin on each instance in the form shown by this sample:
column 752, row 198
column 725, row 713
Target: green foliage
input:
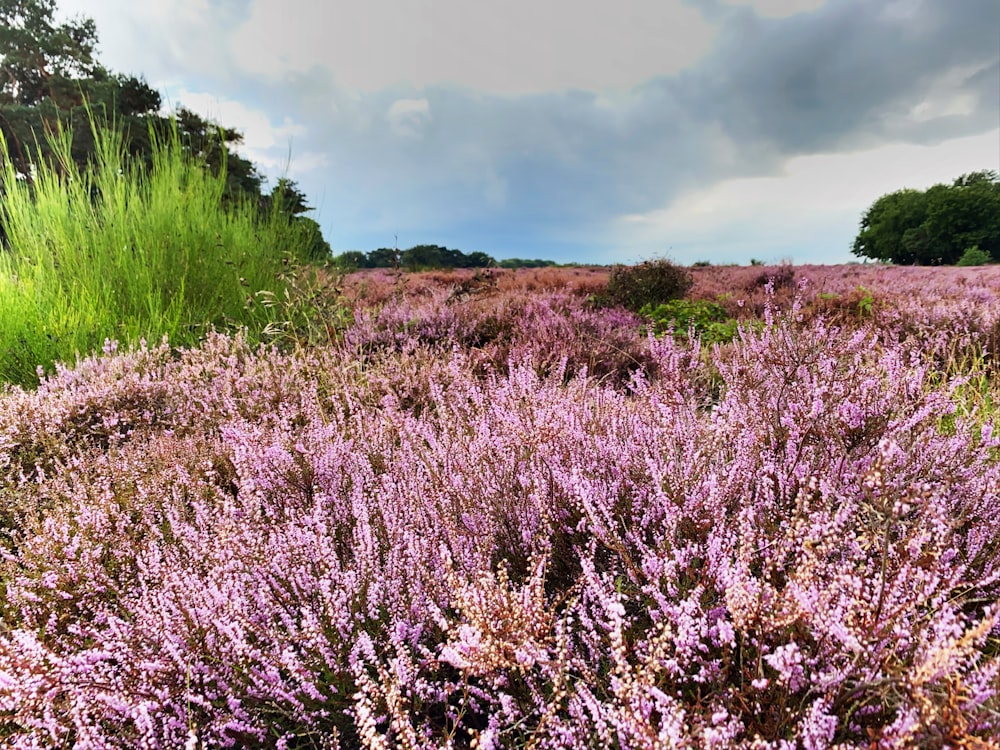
column 416, row 258
column 350, row 260
column 435, row 256
column 212, row 145
column 701, row 318
column 865, row 301
column 37, row 56
column 973, row 256
column 514, row 263
column 287, row 200
column 51, row 81
column 313, row 245
column 652, row 282
column 49, row 77
column 935, row 226
column 123, row 251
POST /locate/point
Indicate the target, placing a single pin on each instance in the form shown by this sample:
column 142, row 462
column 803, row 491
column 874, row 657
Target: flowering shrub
column 651, row 282
column 556, row 331
column 431, row 537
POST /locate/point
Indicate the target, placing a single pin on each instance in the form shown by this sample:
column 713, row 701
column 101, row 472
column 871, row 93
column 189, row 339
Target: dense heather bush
column 224, row 547
column 779, row 277
column 652, row 282
column 555, row 331
column 375, row 287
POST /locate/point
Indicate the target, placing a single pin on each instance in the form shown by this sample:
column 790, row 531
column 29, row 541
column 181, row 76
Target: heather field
column 487, row 511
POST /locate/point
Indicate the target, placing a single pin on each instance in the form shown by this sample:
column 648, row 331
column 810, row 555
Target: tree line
column 51, row 82
column 428, row 257
column 943, row 225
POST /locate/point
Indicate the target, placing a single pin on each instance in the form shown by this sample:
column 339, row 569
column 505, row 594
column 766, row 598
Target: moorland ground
column 486, row 510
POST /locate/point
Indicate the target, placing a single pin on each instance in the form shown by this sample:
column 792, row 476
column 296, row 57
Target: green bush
column 973, row 256
column 701, row 318
column 652, row 282
column 121, row 251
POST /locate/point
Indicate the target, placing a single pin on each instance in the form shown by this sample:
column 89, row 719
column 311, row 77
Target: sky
column 583, row 131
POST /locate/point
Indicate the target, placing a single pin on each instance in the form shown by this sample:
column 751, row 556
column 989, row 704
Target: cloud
column 270, row 145
column 844, row 77
column 808, row 212
column 514, row 47
column 168, row 42
column 407, row 117
column 541, row 125
column 779, row 8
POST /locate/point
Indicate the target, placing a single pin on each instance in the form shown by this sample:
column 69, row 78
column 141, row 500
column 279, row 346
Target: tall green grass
column 123, row 251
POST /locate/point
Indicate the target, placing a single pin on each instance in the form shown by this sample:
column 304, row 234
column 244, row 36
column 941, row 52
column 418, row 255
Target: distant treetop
column 416, row 258
column 427, row 257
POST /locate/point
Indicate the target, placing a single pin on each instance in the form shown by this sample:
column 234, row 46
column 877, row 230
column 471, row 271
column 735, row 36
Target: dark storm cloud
column 837, row 76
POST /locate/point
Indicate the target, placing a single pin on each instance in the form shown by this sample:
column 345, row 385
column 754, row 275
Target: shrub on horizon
column 651, row 282
column 974, row 256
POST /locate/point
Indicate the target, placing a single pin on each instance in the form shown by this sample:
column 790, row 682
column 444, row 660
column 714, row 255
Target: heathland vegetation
column 248, row 501
column 491, row 511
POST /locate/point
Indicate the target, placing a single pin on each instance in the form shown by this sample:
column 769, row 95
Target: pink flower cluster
column 399, row 541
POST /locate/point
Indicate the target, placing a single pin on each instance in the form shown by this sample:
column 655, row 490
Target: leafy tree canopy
column 38, row 57
column 934, row 226
column 51, row 81
column 527, row 263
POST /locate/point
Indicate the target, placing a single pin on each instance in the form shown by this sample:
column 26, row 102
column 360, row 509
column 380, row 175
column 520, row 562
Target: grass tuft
column 124, row 252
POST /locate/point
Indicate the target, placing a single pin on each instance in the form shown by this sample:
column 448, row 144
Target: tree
column 973, row 256
column 884, row 226
column 37, row 56
column 427, row 256
column 479, row 259
column 383, row 257
column 935, row 226
column 313, row 246
column 39, row 61
column 526, row 263
column 286, row 197
column 51, row 82
column 351, row 260
column 288, row 200
column 965, row 214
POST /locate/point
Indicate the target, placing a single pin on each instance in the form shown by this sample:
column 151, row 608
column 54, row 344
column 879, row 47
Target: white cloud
column 258, row 130
column 811, row 211
column 518, row 46
column 407, row 117
column 270, row 145
column 165, row 41
column 945, row 96
column 391, row 145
